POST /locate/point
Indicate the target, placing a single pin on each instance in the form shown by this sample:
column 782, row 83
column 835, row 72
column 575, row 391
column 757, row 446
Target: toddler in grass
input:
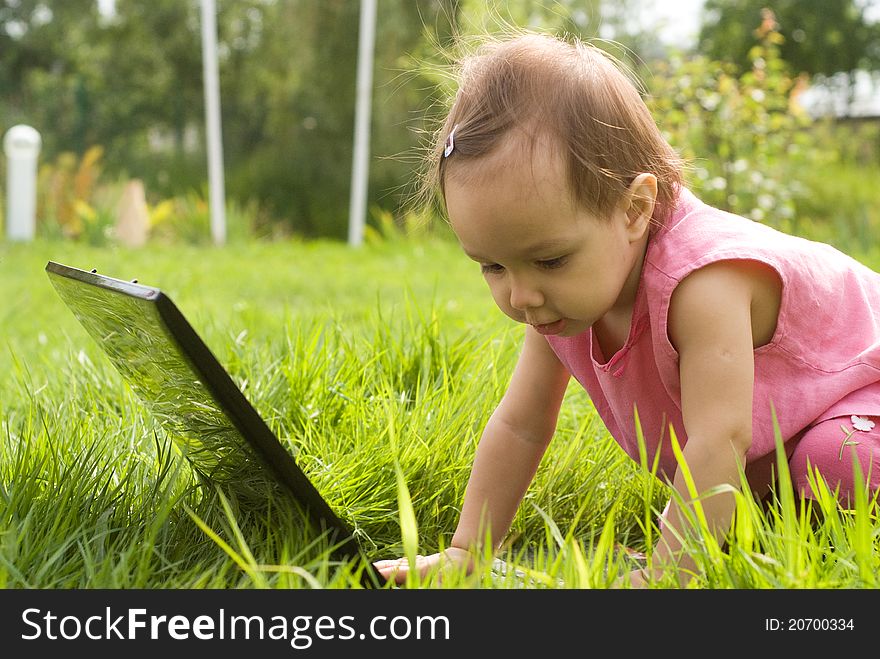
column 558, row 183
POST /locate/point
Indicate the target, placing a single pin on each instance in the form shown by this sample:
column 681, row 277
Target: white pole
column 360, row 169
column 22, row 146
column 212, row 120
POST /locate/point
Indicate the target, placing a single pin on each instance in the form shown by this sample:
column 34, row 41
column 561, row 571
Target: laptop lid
column 175, row 374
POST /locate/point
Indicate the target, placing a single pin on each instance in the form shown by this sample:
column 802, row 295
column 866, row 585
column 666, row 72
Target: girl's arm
column 507, row 457
column 512, row 445
column 710, row 325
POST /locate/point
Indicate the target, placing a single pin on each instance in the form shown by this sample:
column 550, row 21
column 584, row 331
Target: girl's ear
column 640, row 199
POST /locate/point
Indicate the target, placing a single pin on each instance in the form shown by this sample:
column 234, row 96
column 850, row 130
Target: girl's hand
column 635, row 579
column 397, row 569
column 638, row 579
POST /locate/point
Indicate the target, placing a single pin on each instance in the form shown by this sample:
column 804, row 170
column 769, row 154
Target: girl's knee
column 842, row 451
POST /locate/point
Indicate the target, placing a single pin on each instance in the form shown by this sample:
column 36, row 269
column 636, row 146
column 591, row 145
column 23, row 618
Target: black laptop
column 173, row 372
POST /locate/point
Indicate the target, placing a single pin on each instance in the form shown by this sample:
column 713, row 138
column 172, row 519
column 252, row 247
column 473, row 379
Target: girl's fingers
column 395, row 562
column 398, row 567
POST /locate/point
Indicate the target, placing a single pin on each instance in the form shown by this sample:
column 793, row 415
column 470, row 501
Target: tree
column 131, row 82
column 819, row 37
column 45, row 49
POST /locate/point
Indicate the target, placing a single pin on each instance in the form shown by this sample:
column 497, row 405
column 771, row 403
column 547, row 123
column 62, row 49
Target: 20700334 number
column 808, row 624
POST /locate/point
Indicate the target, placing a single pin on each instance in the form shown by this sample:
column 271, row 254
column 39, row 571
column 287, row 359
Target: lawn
column 378, row 368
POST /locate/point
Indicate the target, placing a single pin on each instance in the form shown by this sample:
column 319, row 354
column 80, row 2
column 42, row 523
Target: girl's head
column 542, row 92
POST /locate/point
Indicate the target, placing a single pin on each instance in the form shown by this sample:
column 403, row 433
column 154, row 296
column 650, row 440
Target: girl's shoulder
column 698, row 235
column 811, row 284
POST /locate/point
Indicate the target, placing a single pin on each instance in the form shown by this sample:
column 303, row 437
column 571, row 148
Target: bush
column 741, row 133
column 187, row 219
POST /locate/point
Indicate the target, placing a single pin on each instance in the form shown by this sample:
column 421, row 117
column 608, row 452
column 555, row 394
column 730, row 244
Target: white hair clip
column 450, row 142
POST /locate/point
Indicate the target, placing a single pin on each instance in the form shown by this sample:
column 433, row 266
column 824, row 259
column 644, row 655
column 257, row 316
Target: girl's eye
column 491, row 268
column 550, row 264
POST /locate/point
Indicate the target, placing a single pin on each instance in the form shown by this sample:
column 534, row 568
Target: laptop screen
column 176, row 376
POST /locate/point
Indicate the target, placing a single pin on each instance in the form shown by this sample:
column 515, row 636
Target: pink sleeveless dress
column 822, row 362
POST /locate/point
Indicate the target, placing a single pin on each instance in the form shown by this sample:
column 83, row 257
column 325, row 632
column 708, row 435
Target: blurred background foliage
column 116, row 93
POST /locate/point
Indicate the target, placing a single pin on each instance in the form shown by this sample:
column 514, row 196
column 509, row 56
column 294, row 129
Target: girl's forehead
column 506, row 206
column 530, row 163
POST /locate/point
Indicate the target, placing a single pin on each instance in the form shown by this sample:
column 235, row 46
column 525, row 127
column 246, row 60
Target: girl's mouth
column 549, row 329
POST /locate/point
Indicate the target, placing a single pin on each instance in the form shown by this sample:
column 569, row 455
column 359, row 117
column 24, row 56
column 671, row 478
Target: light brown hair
column 570, row 91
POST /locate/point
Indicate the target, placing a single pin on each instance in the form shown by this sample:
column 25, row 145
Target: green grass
column 378, row 367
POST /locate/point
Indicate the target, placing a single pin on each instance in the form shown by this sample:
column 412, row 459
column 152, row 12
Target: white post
column 213, row 134
column 360, row 168
column 22, row 145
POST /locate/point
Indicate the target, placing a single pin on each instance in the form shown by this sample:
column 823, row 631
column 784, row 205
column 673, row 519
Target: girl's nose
column 524, row 296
